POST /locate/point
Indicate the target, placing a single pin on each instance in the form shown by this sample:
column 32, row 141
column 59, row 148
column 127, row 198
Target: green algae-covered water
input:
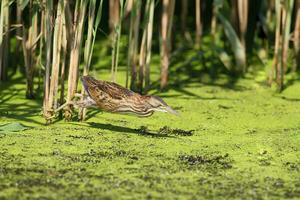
column 233, row 140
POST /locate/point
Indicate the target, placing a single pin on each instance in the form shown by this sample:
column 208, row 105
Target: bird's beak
column 171, row 110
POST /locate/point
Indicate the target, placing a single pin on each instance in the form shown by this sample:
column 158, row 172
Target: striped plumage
column 114, row 98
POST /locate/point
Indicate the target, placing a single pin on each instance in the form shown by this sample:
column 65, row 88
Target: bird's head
column 88, row 82
column 157, row 104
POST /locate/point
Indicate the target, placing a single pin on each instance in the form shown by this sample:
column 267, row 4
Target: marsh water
column 234, row 138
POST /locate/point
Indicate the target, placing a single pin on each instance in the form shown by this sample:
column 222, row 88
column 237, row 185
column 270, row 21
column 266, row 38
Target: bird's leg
column 86, row 103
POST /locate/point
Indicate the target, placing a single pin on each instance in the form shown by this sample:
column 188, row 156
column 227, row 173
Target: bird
column 111, row 97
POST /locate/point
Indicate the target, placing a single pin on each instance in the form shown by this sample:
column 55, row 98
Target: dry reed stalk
column 236, row 45
column 233, row 14
column 57, row 45
column 128, row 7
column 64, row 61
column 288, row 8
column 198, row 23
column 277, row 49
column 39, row 60
column 133, row 44
column 170, row 25
column 87, row 51
column 183, row 17
column 149, row 44
column 145, row 49
column 116, row 43
column 142, row 60
column 78, row 30
column 166, row 27
column 4, row 39
column 296, row 40
column 242, row 7
column 213, row 22
column 48, row 39
column 29, row 43
column 114, row 14
column 164, row 45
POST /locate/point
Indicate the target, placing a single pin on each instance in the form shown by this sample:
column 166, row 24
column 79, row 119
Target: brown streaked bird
column 111, row 97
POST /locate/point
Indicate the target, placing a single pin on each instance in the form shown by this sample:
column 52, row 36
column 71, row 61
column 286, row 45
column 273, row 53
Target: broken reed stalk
column 166, row 26
column 133, row 45
column 77, row 36
column 116, row 43
column 236, row 45
column 4, row 39
column 198, row 23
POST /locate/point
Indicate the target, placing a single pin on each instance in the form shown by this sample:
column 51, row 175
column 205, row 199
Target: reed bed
column 55, row 35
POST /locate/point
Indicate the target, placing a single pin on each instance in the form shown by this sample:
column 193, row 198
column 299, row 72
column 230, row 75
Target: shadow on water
column 290, row 82
column 287, row 98
column 92, row 113
column 121, row 129
column 195, row 71
column 13, row 104
column 5, row 97
column 200, row 69
column 21, row 112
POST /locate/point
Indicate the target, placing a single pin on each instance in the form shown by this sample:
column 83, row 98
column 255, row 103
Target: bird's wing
column 98, row 89
column 114, row 90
